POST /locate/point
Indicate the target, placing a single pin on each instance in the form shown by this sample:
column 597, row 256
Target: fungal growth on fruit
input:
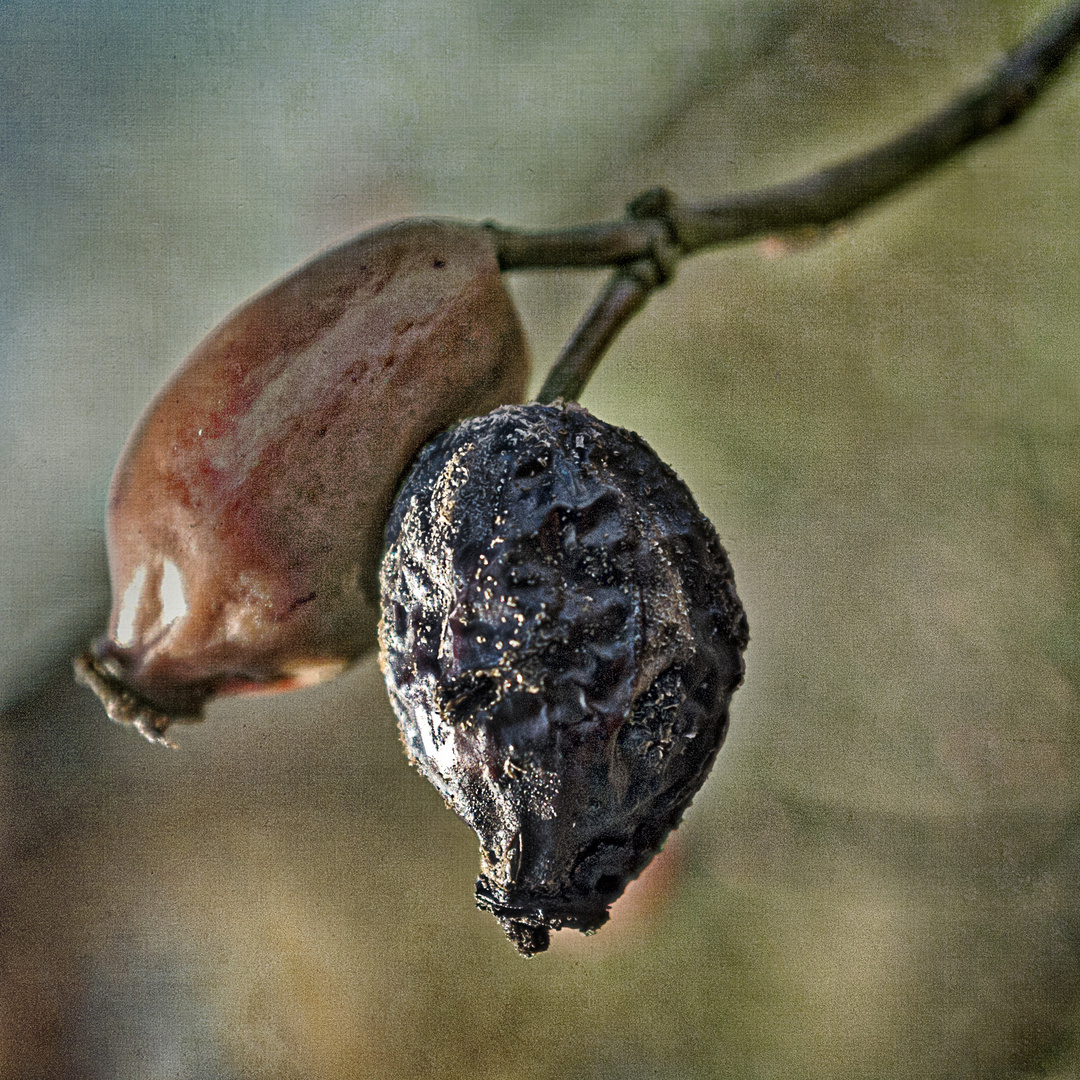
column 561, row 638
column 246, row 515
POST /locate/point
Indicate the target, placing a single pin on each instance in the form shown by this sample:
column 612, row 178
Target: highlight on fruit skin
column 246, row 515
column 561, row 638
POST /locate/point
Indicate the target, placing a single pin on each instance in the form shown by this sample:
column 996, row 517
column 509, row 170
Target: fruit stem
column 623, row 297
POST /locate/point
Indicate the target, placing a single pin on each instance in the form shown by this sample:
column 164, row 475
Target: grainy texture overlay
column 880, row 876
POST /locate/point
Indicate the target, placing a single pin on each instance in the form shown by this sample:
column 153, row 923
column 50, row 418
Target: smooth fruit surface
column 247, row 512
column 561, row 638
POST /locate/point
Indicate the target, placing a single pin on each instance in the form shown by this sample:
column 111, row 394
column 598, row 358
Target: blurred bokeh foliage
column 880, row 877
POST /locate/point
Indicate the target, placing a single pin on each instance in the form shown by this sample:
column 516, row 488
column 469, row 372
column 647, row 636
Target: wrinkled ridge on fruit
column 561, row 637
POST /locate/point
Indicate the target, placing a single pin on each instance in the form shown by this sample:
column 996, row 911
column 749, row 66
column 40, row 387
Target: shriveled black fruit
column 561, row 638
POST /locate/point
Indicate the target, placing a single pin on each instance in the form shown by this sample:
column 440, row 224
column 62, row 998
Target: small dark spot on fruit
column 607, row 676
column 597, row 513
column 427, row 664
column 532, row 466
column 438, row 263
column 548, row 534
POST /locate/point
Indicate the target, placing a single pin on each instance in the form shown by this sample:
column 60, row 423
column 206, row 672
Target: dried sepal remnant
column 561, row 638
column 121, row 705
column 246, row 515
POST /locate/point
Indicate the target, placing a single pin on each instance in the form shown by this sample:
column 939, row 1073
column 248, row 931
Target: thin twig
column 660, row 230
column 623, row 297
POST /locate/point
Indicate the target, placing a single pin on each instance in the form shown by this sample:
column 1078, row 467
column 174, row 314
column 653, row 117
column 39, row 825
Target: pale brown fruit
column 246, row 515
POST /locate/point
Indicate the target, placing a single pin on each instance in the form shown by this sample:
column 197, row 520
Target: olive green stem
column 660, row 230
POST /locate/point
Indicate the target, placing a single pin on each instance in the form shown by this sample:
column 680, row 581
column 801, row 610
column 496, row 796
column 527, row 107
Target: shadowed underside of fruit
column 246, row 515
column 561, row 638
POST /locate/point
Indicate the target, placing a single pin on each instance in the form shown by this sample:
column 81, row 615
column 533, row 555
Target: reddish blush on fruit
column 246, row 515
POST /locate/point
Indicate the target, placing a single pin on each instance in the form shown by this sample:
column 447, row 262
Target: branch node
column 665, row 251
column 654, row 203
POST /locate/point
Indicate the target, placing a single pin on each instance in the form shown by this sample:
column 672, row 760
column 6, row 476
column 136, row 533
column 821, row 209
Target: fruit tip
column 122, row 704
column 526, row 938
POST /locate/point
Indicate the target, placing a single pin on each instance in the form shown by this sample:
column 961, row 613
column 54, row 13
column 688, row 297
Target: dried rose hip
column 561, row 638
column 247, row 513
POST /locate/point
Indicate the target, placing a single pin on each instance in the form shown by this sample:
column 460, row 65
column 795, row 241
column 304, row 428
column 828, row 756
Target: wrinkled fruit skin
column 561, row 638
column 246, row 516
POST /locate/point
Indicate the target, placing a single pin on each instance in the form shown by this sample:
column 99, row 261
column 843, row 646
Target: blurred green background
column 880, row 877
